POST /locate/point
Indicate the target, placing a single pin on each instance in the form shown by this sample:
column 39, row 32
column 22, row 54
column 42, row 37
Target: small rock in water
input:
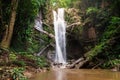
column 116, row 68
column 59, row 65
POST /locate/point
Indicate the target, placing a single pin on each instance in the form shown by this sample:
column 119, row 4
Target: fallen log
column 80, row 64
column 77, row 63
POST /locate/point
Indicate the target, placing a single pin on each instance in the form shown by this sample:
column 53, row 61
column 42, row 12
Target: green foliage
column 17, row 74
column 108, row 46
column 91, row 10
column 95, row 51
column 113, row 48
column 27, row 55
column 41, row 62
column 12, row 56
column 111, row 63
column 24, row 53
column 38, row 3
column 97, row 18
column 115, row 21
column 60, row 3
column 14, row 59
column 24, row 34
column 112, row 30
column 19, row 63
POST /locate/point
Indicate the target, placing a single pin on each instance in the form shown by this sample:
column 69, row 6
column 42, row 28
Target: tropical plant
column 17, row 74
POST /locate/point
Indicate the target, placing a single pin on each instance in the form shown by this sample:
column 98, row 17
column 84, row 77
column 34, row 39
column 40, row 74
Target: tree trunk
column 91, row 33
column 9, row 30
column 103, row 4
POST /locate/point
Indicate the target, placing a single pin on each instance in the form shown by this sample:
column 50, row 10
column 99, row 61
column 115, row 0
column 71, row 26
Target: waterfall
column 38, row 22
column 60, row 38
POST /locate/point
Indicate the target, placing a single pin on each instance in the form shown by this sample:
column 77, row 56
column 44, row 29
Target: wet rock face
column 74, row 49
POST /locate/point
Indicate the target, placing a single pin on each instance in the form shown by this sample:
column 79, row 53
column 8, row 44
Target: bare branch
column 46, row 24
column 49, row 34
column 73, row 24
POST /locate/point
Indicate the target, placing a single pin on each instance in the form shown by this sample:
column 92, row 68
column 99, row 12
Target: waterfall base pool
column 77, row 74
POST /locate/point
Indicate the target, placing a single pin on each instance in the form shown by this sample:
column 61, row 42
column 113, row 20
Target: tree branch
column 73, row 24
column 50, row 34
column 46, row 24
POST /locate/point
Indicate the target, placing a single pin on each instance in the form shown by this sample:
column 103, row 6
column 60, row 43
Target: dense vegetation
column 93, row 33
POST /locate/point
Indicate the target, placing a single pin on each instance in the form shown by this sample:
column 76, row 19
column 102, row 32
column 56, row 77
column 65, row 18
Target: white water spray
column 60, row 39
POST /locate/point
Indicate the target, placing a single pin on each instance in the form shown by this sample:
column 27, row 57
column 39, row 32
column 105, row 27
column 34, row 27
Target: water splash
column 60, row 39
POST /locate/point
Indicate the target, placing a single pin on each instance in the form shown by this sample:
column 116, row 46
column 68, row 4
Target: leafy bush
column 17, row 74
column 96, row 50
column 19, row 63
column 111, row 63
column 12, row 56
column 112, row 29
column 23, row 36
column 41, row 62
column 108, row 46
column 92, row 10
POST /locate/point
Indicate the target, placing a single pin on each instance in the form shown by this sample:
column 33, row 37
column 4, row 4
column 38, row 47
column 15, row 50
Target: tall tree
column 9, row 28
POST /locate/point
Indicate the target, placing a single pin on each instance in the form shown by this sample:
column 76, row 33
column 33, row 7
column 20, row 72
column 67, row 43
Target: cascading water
column 60, row 39
column 38, row 22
